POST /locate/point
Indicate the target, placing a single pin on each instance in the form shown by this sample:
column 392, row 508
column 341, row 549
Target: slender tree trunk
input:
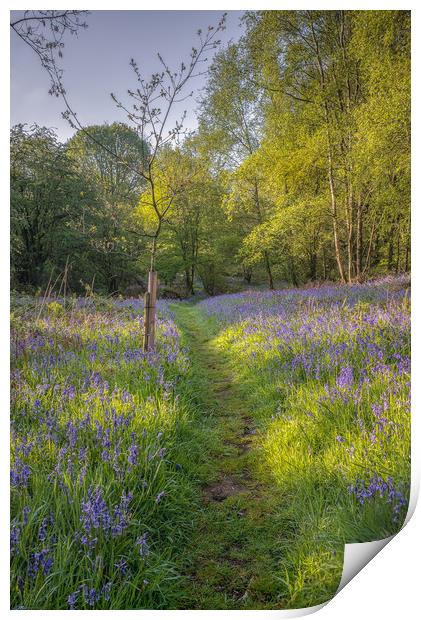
column 112, row 285
column 407, row 252
column 268, row 269
column 292, row 271
column 350, row 236
column 247, row 274
column 153, row 252
column 192, row 279
column 312, row 263
column 189, row 285
column 398, row 252
column 150, row 326
column 260, row 220
column 369, row 250
column 189, row 278
column 359, row 239
column 150, row 311
column 334, row 211
column 195, row 256
column 324, row 264
column 390, row 252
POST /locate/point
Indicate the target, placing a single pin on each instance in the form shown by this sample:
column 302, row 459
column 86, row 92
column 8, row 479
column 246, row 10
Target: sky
column 96, row 63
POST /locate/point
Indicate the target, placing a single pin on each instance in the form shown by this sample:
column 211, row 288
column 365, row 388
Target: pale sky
column 96, row 63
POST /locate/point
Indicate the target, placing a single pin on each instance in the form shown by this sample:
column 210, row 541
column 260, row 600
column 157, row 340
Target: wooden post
column 150, row 312
column 146, row 321
column 152, row 290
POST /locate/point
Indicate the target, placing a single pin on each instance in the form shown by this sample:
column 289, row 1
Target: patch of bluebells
column 14, row 538
column 94, row 512
column 159, row 497
column 133, row 452
column 19, row 474
column 345, row 377
column 344, row 352
column 90, row 595
column 40, row 560
column 262, row 305
column 87, row 407
column 378, row 487
column 122, row 566
column 96, row 518
column 72, row 599
column 43, row 529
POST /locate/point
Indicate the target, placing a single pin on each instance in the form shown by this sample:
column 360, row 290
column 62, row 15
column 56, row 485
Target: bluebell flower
column 143, row 545
column 106, row 591
column 345, row 377
column 14, row 538
column 72, row 598
column 159, row 497
column 122, row 566
column 91, row 595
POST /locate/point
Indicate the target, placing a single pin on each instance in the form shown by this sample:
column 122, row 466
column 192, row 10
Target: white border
column 388, row 585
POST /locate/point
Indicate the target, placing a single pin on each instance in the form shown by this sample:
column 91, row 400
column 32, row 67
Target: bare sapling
column 151, row 107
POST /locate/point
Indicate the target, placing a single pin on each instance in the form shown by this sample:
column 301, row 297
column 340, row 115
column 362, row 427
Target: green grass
column 234, row 553
column 316, row 443
column 255, row 509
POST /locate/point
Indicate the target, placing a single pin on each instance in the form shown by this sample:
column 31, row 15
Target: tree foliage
column 336, row 132
column 48, row 198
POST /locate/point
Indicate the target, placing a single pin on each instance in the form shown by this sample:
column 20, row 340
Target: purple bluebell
column 143, row 545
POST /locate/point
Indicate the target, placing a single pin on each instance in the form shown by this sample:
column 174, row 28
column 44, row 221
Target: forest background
column 299, row 171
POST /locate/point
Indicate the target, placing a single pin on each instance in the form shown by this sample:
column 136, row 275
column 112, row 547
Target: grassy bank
column 326, row 374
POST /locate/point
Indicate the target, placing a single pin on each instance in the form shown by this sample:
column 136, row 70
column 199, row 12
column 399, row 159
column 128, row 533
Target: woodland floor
column 232, row 560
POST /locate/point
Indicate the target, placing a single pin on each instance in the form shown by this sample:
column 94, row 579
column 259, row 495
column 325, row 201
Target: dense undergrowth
column 326, row 374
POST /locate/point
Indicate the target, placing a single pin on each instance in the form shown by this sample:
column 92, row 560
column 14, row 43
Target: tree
column 381, row 46
column 231, row 118
column 333, row 105
column 46, row 194
column 196, row 216
column 117, row 181
column 150, row 107
column 118, row 186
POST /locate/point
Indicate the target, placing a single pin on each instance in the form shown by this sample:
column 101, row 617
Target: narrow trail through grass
column 233, row 559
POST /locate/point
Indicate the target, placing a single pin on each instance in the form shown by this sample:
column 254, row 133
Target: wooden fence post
column 152, row 289
column 150, row 312
column 146, row 321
